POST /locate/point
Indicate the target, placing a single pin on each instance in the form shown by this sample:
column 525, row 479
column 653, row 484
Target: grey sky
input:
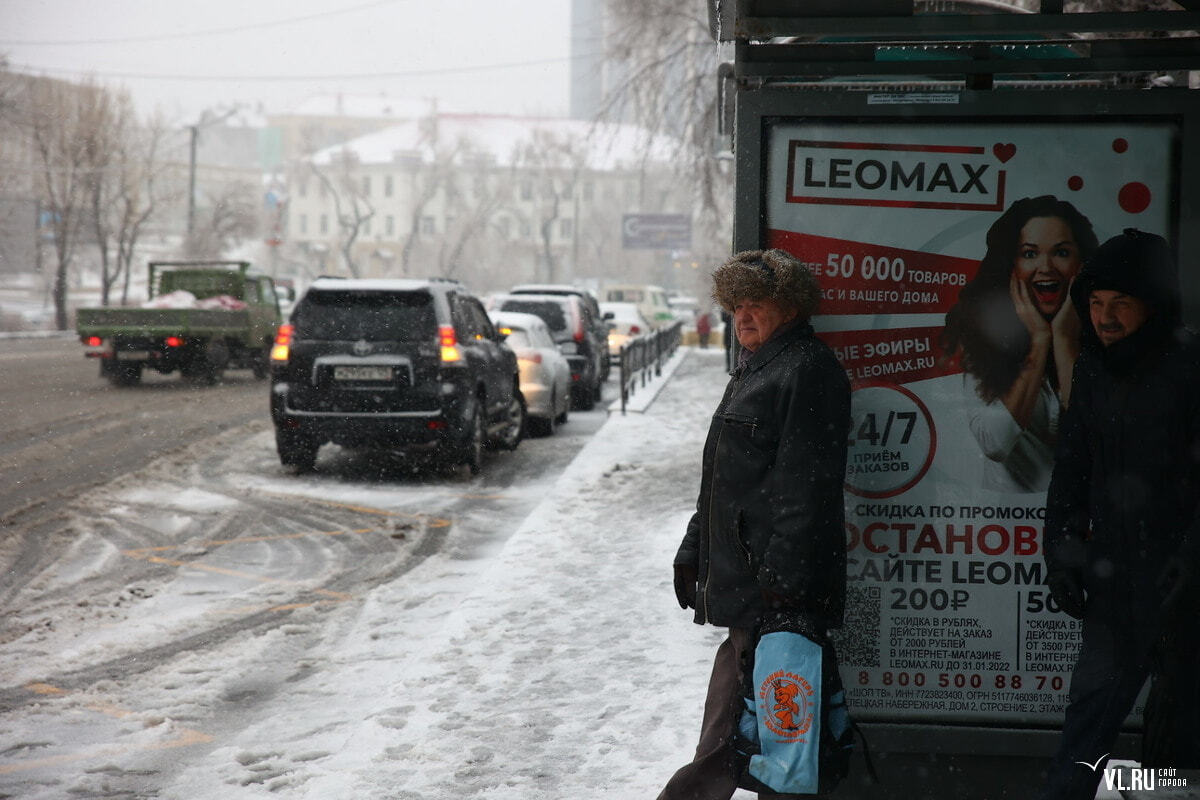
column 183, row 57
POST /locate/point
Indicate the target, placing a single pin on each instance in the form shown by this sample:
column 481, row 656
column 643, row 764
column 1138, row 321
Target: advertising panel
column 945, row 253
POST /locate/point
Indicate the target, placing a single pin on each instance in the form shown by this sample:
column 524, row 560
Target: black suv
column 569, row 324
column 404, row 364
column 595, row 320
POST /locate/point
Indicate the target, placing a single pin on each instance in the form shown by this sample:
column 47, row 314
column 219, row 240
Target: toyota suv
column 408, row 364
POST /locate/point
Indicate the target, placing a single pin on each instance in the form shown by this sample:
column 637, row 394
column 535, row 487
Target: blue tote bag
column 794, row 735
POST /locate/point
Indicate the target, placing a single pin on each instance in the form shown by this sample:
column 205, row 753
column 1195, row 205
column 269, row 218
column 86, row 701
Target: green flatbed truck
column 198, row 342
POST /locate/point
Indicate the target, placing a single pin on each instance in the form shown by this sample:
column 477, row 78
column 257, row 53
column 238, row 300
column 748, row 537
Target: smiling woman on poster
column 1017, row 337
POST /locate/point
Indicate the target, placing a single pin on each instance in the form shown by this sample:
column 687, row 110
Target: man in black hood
column 1122, row 535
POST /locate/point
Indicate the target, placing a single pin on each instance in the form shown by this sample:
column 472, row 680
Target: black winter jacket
column 1125, row 493
column 770, row 512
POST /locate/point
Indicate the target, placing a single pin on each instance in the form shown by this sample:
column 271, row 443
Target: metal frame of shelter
column 823, row 60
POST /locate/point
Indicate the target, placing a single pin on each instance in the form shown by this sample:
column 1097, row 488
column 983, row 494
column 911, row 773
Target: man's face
column 755, row 320
column 1115, row 314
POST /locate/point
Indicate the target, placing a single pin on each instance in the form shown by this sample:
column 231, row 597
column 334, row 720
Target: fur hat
column 766, row 274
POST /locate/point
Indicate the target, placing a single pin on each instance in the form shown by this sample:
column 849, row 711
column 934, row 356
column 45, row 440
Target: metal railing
column 644, row 355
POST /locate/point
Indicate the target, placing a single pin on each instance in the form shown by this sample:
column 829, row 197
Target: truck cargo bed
column 108, row 322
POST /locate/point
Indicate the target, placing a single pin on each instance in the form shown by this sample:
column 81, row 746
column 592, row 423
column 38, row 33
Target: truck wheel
column 207, row 365
column 296, row 450
column 124, row 374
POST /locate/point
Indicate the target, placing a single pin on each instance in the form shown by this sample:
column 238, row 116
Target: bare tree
column 471, row 213
column 425, row 180
column 351, row 205
column 553, row 164
column 138, row 195
column 230, row 217
column 667, row 64
column 67, row 130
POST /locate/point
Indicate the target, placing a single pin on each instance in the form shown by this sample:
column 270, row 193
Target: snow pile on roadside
column 567, row 670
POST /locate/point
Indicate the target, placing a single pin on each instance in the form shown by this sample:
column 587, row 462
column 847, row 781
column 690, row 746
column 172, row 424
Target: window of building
column 428, row 226
column 324, row 225
column 389, row 225
column 588, row 190
column 566, row 228
column 388, row 186
column 526, row 190
column 366, row 185
column 303, row 223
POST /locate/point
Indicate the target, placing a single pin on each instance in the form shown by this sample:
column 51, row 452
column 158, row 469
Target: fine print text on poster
column 940, row 250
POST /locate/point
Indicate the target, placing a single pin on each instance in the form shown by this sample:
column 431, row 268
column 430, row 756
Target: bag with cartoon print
column 794, row 735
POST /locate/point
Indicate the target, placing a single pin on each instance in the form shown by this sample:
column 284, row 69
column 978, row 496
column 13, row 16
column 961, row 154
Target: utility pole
column 194, row 131
column 191, row 205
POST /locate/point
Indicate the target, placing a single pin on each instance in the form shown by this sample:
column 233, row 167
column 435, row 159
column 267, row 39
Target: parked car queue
column 422, row 367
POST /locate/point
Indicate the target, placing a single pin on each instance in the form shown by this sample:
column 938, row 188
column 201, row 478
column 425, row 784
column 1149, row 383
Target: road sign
column 656, row 232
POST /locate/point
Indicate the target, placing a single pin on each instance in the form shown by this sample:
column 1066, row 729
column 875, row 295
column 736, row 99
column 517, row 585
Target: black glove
column 1175, row 581
column 1067, row 591
column 686, row 577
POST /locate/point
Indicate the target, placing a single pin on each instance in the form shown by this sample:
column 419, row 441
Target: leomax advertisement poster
column 945, row 254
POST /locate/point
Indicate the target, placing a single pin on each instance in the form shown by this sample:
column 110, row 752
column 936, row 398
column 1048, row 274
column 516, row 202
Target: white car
column 625, row 322
column 545, row 373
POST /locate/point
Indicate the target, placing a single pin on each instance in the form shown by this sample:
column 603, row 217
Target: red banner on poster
column 865, row 278
column 891, row 355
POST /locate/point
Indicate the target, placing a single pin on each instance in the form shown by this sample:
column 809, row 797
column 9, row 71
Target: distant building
column 488, row 199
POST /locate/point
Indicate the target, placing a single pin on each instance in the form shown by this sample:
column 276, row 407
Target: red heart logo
column 1004, row 151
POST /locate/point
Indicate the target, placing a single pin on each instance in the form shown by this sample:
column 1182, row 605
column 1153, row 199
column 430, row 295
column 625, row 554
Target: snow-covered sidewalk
column 567, row 670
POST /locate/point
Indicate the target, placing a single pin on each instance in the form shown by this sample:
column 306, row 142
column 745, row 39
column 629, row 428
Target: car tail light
column 449, row 342
column 283, row 342
column 92, row 341
column 174, row 341
column 634, row 329
column 576, row 377
column 530, row 355
column 579, row 328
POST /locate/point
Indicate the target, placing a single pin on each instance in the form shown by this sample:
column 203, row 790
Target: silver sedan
column 545, row 373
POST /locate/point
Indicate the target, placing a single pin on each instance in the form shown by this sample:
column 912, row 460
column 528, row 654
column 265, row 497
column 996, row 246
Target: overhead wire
column 417, row 73
column 166, row 37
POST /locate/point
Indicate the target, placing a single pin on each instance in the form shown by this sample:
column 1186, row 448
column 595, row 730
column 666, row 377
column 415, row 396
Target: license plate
column 362, row 373
column 133, row 355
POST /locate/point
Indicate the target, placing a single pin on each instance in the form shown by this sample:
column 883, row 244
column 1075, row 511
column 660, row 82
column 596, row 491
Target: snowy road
column 65, row 429
column 173, row 607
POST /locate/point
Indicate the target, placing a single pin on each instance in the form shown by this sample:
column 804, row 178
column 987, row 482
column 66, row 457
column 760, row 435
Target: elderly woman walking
column 768, row 532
